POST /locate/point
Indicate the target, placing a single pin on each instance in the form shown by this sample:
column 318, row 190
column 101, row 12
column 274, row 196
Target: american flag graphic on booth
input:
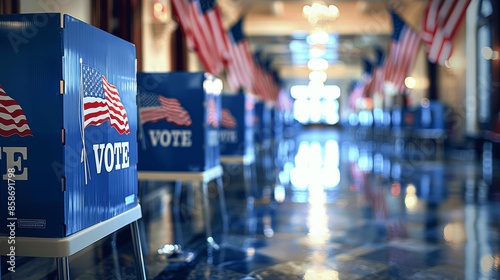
column 227, row 119
column 12, row 117
column 212, row 114
column 153, row 108
column 101, row 102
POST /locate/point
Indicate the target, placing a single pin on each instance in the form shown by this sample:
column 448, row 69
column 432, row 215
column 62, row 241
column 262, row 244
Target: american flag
column 376, row 84
column 356, row 93
column 439, row 25
column 212, row 113
column 181, row 7
column 403, row 49
column 201, row 21
column 367, row 76
column 241, row 66
column 101, row 102
column 153, row 108
column 227, row 119
column 12, row 117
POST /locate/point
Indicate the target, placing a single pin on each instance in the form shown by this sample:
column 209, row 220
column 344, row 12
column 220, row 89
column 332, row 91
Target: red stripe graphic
column 12, row 118
column 212, row 114
column 227, row 119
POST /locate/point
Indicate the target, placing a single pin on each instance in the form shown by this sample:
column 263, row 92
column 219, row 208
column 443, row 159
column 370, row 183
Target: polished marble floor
column 326, row 204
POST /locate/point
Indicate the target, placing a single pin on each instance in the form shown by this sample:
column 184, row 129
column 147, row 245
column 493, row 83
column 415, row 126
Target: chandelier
column 319, row 15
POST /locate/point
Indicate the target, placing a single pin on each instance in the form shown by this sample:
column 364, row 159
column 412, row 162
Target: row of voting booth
column 78, row 123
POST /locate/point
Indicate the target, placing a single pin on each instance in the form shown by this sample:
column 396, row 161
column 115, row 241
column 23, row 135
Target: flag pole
column 84, row 158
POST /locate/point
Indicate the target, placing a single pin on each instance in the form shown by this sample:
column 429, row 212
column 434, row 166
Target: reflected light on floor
column 317, row 221
column 316, row 164
column 321, row 273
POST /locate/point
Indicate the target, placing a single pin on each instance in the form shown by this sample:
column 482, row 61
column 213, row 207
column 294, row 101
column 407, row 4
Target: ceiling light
column 320, row 14
column 317, row 64
column 318, row 76
column 317, row 51
column 319, row 37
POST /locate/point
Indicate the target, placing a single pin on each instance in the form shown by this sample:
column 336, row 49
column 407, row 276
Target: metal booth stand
column 62, row 248
column 196, row 178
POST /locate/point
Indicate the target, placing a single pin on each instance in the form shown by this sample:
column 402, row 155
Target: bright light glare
column 320, row 37
column 315, row 110
column 305, row 92
column 487, row 53
column 317, row 52
column 317, row 64
column 410, row 82
column 365, row 118
column 330, row 111
column 301, row 110
column 317, row 76
column 332, row 153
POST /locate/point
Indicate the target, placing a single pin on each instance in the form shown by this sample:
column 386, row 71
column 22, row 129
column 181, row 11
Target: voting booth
column 179, row 115
column 68, row 125
column 236, row 130
column 262, row 124
column 179, row 121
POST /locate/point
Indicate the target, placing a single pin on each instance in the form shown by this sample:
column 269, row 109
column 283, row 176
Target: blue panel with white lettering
column 100, row 119
column 179, row 115
column 236, row 138
column 41, row 126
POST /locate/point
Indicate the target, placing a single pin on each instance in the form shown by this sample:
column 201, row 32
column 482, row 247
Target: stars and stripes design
column 241, row 68
column 154, row 108
column 201, row 22
column 101, row 102
column 12, row 118
column 403, row 49
column 227, row 119
column 439, row 25
column 376, row 85
column 212, row 118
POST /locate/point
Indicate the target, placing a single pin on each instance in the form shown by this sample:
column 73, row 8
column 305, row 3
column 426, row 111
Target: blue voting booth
column 276, row 124
column 236, row 130
column 68, row 122
column 262, row 124
column 179, row 116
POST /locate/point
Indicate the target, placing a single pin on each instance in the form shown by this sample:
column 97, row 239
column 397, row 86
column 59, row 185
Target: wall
column 156, row 40
column 80, row 9
column 452, row 86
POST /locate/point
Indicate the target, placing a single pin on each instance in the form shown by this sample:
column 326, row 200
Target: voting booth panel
column 236, row 130
column 179, row 115
column 262, row 124
column 68, row 122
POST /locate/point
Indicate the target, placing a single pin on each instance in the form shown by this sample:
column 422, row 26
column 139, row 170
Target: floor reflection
column 326, row 205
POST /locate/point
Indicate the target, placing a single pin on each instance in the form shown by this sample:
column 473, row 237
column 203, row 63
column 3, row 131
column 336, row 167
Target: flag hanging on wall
column 403, row 50
column 439, row 26
column 201, row 22
column 241, row 66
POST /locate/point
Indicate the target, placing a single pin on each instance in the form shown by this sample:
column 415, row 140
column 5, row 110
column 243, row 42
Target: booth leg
column 206, row 216
column 222, row 201
column 136, row 242
column 63, row 268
